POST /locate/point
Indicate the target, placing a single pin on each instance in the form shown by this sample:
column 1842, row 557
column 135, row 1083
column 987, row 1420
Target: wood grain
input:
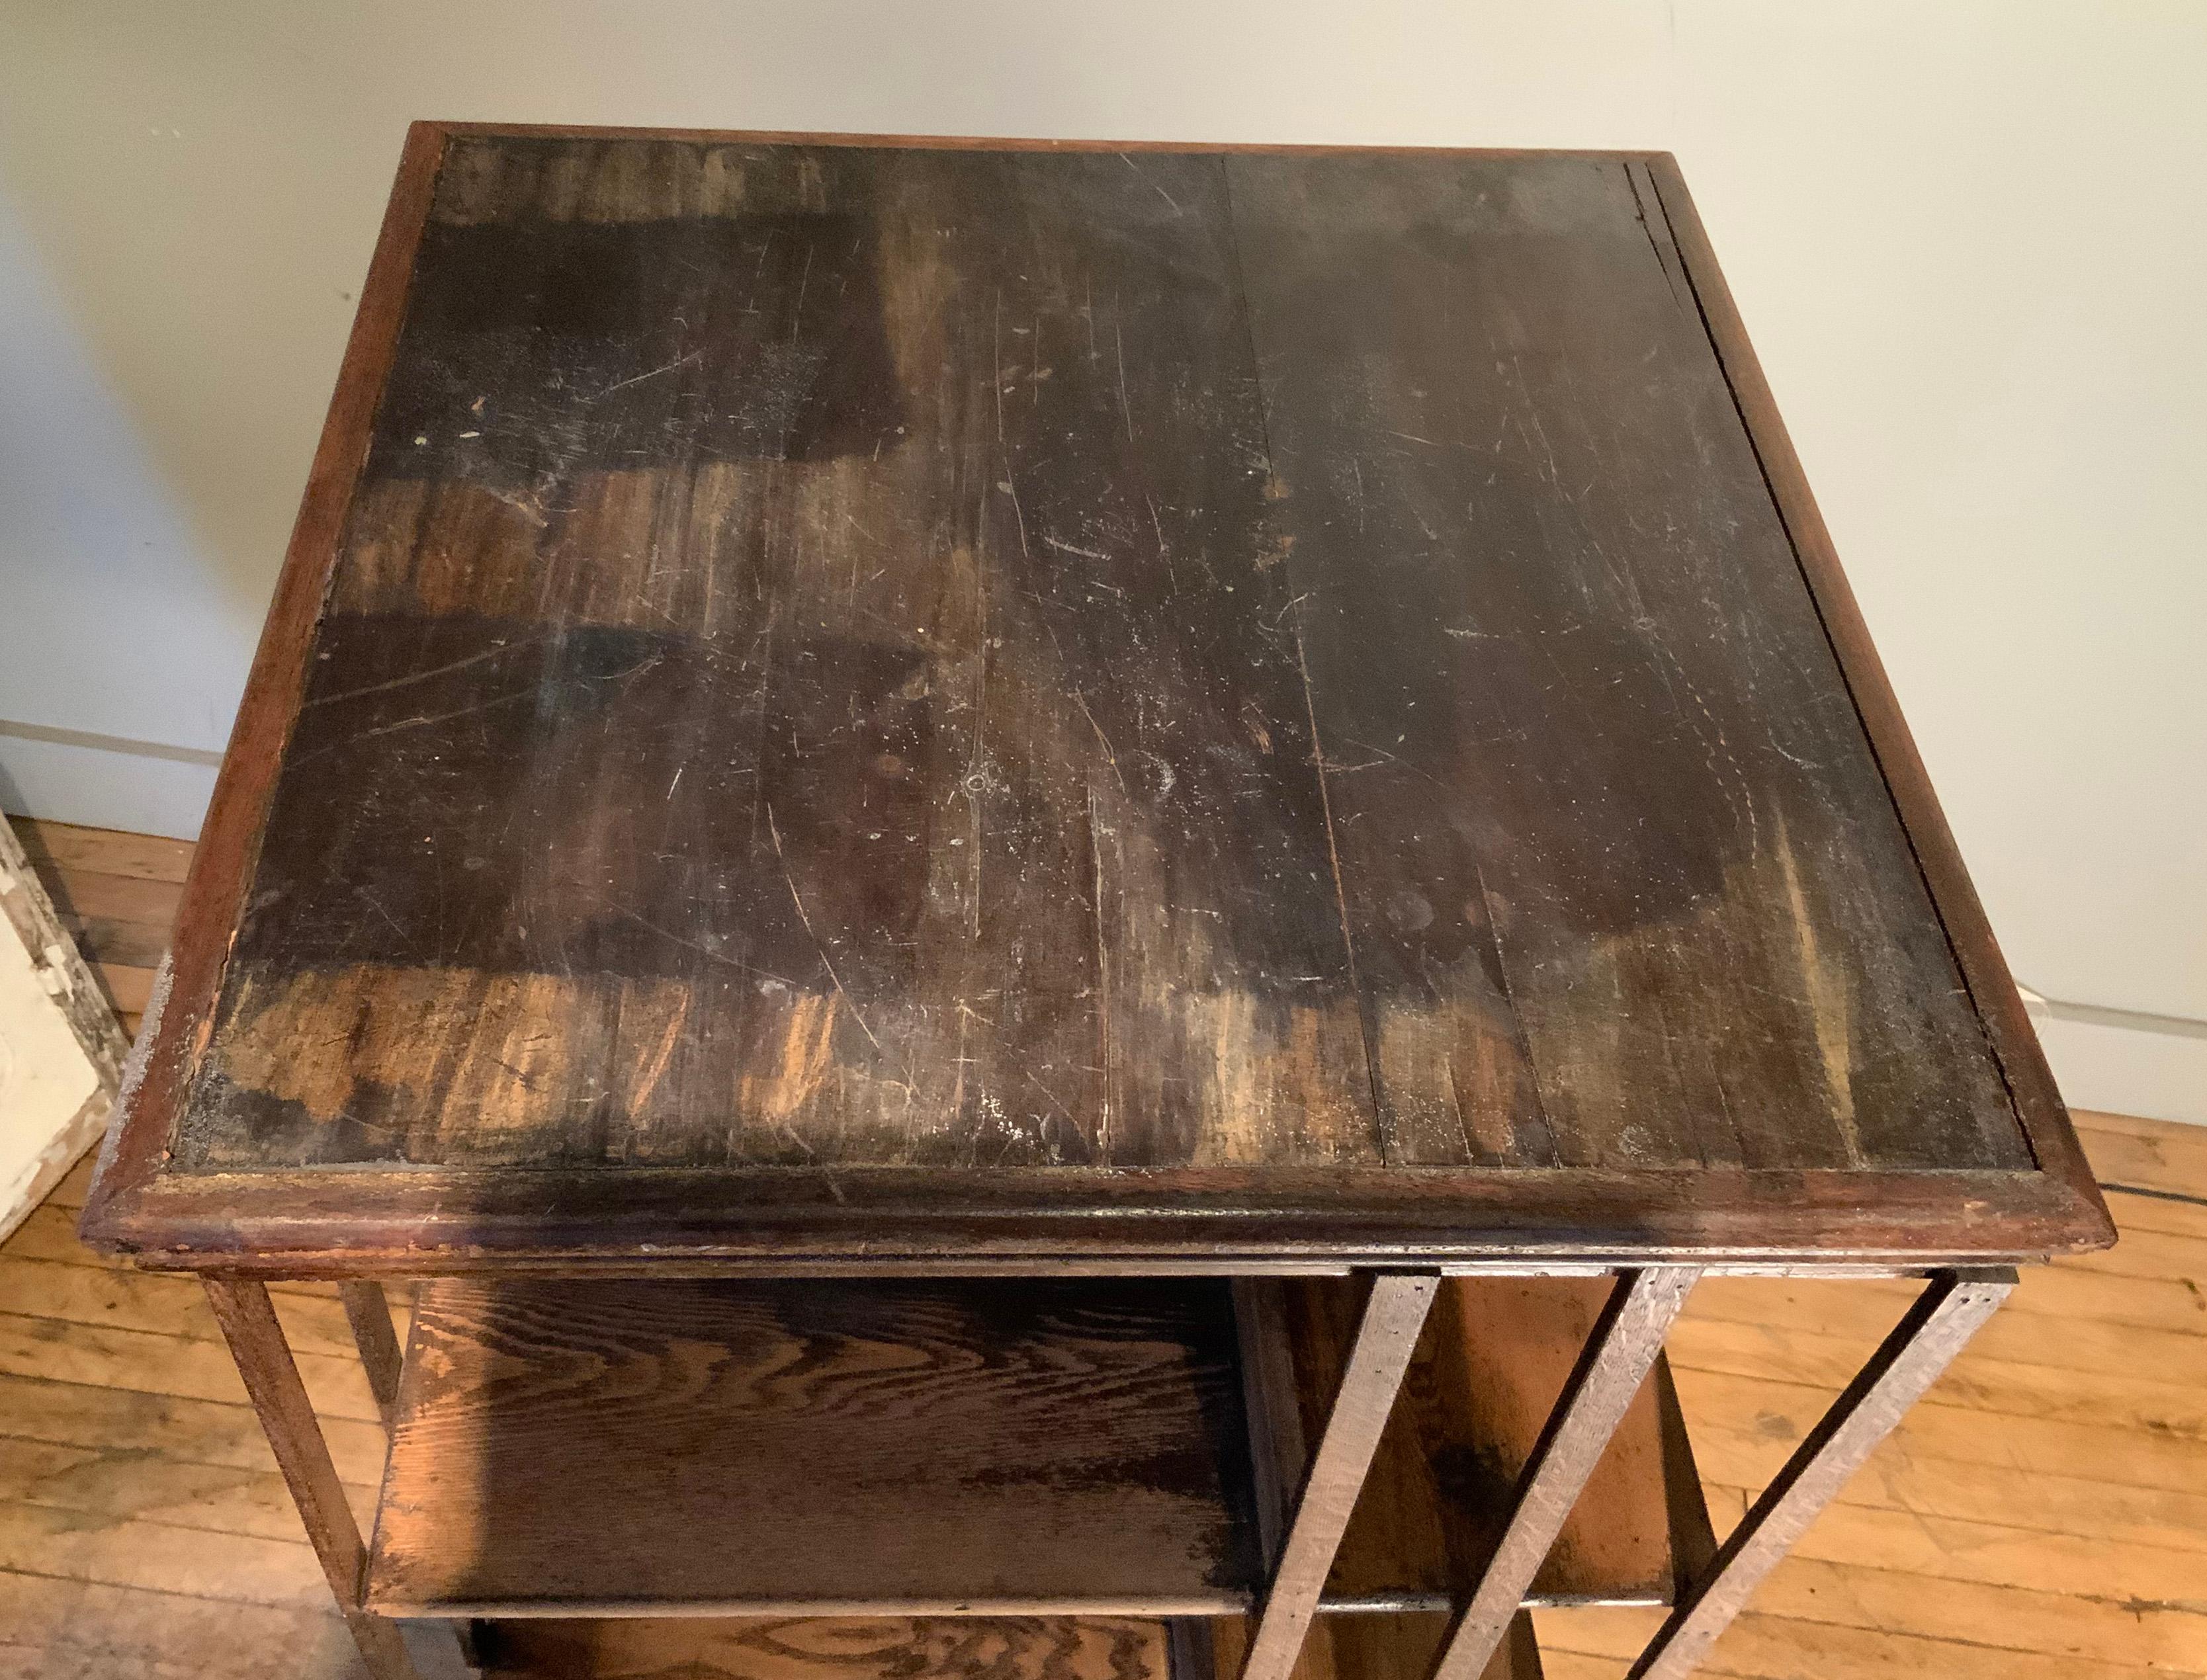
column 2036, row 1102
column 250, row 1325
column 965, row 1647
column 65, row 852
column 759, row 724
column 1123, row 685
column 28, row 915
column 1400, row 1647
column 1972, row 1545
column 1570, row 682
column 223, row 858
column 918, row 1445
column 1871, row 1406
column 370, row 1316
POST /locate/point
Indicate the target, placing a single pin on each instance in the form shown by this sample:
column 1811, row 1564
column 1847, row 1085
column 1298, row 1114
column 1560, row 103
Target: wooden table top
column 859, row 704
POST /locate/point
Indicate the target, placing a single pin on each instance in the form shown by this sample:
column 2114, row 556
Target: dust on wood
column 845, row 657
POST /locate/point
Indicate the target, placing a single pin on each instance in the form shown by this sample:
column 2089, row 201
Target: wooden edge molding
column 884, row 1221
column 2015, row 1048
column 222, row 867
column 370, row 1222
column 998, row 142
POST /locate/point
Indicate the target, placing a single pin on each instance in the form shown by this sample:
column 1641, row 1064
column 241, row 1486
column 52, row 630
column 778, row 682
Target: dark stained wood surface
column 1149, row 684
column 1625, row 879
column 1020, row 1443
column 791, row 647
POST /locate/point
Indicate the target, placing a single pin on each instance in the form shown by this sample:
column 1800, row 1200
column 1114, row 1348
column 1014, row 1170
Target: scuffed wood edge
column 884, row 1222
column 2031, row 1091
column 32, row 915
column 1278, row 1455
column 230, row 844
column 996, row 142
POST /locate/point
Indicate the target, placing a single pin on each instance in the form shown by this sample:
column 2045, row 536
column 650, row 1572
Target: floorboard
column 2043, row 1516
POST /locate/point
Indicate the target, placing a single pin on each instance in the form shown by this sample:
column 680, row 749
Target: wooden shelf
column 835, row 1648
column 1022, row 1446
column 1493, row 1359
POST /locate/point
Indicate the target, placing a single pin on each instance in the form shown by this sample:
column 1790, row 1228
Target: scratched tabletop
column 846, row 702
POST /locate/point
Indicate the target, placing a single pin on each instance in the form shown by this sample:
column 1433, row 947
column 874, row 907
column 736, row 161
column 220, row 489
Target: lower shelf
column 900, row 1648
column 1023, row 1445
column 970, row 1647
column 1014, row 1447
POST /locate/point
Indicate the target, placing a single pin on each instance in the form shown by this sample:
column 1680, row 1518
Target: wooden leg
column 1624, row 1345
column 264, row 1359
column 1693, row 1541
column 1188, row 1652
column 1910, row 1361
column 1278, row 1456
column 369, row 1314
column 1386, row 1337
column 1520, row 1656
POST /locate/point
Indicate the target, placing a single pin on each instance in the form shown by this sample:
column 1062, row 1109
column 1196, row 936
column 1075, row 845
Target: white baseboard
column 164, row 791
column 2124, row 1062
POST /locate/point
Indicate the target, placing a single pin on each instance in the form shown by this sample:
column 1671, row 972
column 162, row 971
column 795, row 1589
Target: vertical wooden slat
column 248, row 1322
column 1618, row 1355
column 369, row 1315
column 1520, row 1656
column 1278, row 1451
column 1386, row 1337
column 1906, row 1365
column 1189, row 1654
column 1693, row 1540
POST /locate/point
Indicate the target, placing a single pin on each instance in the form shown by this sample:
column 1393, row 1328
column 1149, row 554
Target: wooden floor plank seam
column 305, row 1549
column 2157, row 1195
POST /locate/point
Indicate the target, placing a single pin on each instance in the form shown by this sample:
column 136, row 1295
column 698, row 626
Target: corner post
column 264, row 1358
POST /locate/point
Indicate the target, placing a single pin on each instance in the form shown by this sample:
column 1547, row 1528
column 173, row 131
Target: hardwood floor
column 2042, row 1516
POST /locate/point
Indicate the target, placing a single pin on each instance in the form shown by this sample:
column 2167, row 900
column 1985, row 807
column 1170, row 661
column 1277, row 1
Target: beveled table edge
column 434, row 1220
column 417, row 1222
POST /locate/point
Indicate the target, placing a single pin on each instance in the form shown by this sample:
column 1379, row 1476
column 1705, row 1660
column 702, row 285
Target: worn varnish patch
column 898, row 657
column 818, row 663
column 1602, row 797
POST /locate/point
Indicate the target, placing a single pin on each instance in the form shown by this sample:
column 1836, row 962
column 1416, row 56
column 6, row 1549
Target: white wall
column 1968, row 239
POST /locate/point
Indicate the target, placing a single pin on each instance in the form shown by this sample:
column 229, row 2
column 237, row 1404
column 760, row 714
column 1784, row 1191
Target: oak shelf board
column 731, row 1448
column 956, row 1447
column 830, row 1648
